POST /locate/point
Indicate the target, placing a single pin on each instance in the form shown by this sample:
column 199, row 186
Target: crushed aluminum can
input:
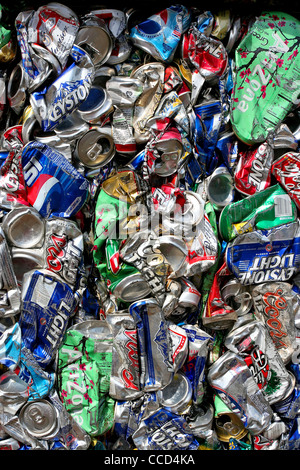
column 218, row 314
column 48, row 303
column 26, row 259
column 177, row 395
column 200, row 419
column 40, row 419
column 142, row 250
column 10, row 292
column 16, row 89
column 14, row 392
column 95, row 148
column 24, row 227
column 286, row 171
column 169, row 149
column 220, row 187
column 258, row 257
column 125, row 373
column 95, row 38
column 164, row 430
column 53, row 185
column 96, row 107
column 55, row 27
column 71, row 128
column 250, row 213
column 199, row 342
column 156, row 365
column 179, row 346
column 253, row 342
column 232, row 381
column 253, row 170
column 151, row 37
column 85, row 343
column 273, row 305
column 66, row 93
column 227, row 423
column 63, row 249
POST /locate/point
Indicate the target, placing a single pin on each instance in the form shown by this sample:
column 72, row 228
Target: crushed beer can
column 265, row 209
column 164, row 430
column 66, row 93
column 273, row 304
column 285, row 169
column 47, row 304
column 253, row 342
column 271, row 255
column 231, row 379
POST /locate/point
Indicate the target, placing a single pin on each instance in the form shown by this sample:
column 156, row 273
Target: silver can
column 95, row 38
column 26, row 259
column 220, row 187
column 177, row 396
column 132, row 288
column 274, row 306
column 97, row 106
column 16, row 89
column 24, row 227
column 40, row 419
column 95, row 149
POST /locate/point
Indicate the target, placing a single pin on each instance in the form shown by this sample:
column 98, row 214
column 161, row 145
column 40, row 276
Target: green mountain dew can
column 267, row 76
column 84, row 370
column 123, row 280
column 264, row 210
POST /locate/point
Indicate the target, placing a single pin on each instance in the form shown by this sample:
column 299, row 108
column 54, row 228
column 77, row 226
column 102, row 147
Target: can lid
column 95, row 149
column 132, row 288
column 25, row 260
column 23, row 227
column 40, row 419
column 96, row 104
column 96, row 41
column 220, row 189
column 177, row 395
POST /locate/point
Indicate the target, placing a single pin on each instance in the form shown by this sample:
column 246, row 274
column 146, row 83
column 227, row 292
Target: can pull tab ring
column 94, row 151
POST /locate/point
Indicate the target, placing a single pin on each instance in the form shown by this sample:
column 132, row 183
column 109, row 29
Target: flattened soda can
column 286, row 170
column 227, row 423
column 40, row 419
column 265, row 209
column 54, row 186
column 259, row 102
column 97, row 105
column 10, row 292
column 153, row 35
column 26, row 259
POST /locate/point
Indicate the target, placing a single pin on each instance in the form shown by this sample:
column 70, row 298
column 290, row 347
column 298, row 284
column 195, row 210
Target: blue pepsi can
column 54, row 187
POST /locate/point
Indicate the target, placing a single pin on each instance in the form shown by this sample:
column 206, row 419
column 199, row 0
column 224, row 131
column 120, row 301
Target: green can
column 267, row 74
column 84, row 370
column 264, row 210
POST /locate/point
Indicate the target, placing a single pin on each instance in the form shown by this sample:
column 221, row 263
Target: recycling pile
column 150, row 236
